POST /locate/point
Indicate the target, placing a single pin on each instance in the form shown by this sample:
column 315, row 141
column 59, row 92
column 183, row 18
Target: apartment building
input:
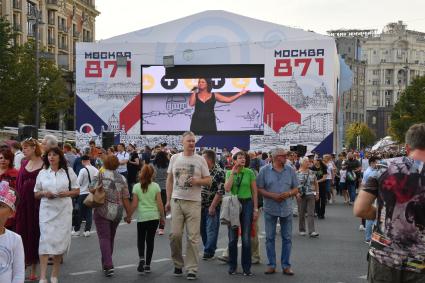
column 61, row 23
column 388, row 61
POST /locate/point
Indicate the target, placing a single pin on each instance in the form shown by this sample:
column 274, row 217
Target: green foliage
column 367, row 136
column 409, row 110
column 18, row 83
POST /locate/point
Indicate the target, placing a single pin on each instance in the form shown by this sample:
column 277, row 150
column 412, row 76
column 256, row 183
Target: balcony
column 52, row 5
column 51, row 21
column 76, row 34
column 63, row 28
column 17, row 5
column 51, row 41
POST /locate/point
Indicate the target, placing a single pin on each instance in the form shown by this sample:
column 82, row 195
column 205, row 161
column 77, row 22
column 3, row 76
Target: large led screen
column 221, row 104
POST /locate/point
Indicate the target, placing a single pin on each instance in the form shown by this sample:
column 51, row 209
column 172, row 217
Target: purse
column 97, row 198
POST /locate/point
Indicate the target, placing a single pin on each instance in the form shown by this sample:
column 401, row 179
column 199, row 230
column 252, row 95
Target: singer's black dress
column 203, row 118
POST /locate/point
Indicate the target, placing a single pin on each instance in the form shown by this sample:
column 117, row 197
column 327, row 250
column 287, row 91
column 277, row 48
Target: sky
column 120, row 17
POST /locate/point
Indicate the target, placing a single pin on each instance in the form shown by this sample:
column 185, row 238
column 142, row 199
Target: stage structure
column 139, row 85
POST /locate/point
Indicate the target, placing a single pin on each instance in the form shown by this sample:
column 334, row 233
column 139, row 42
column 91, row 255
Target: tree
column 367, row 136
column 18, row 84
column 409, row 110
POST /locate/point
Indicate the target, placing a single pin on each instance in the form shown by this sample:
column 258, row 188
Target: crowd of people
column 49, row 189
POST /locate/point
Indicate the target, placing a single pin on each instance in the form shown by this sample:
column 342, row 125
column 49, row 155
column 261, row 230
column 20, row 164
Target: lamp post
column 36, row 17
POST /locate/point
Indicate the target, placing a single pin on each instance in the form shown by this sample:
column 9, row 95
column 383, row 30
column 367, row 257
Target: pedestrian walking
column 187, row 172
column 150, row 212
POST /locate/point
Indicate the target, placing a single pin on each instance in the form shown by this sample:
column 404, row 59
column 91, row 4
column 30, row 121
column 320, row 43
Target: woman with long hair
column 203, row 99
column 27, row 210
column 160, row 164
column 150, row 212
column 55, row 186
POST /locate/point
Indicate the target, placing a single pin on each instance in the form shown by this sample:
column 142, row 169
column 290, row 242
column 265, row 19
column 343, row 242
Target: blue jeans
column 285, row 232
column 246, row 223
column 351, row 190
column 368, row 231
column 209, row 230
column 84, row 212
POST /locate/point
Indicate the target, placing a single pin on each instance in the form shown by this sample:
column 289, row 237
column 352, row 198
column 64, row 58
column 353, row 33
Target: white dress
column 55, row 214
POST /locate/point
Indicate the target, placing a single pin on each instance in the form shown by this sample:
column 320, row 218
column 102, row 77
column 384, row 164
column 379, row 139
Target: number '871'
column 284, row 67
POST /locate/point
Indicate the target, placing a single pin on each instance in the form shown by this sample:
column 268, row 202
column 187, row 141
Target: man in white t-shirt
column 86, row 178
column 123, row 158
column 187, row 172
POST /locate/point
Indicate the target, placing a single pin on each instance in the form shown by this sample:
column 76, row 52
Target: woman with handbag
column 56, row 184
column 240, row 181
column 307, row 196
column 108, row 216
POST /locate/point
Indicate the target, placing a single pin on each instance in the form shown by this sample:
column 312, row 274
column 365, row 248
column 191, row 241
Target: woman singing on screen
column 203, row 118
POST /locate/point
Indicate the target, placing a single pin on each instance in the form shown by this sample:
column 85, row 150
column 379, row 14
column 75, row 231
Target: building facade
column 385, row 64
column 61, row 24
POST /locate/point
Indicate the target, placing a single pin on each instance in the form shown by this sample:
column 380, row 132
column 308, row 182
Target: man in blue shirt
column 278, row 183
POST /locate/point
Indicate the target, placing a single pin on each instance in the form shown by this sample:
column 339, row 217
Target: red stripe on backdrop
column 131, row 114
column 278, row 111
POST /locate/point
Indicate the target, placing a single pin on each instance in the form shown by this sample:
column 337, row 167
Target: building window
column 373, row 120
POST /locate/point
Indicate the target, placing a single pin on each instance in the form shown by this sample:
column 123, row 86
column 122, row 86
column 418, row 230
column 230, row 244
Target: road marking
column 161, row 260
column 363, row 277
column 82, row 272
column 125, row 266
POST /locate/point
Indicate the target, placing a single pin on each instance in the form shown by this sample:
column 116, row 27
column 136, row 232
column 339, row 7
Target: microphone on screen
column 195, row 89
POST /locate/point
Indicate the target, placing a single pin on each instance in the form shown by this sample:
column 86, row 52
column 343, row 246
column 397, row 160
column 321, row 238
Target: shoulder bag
column 97, row 198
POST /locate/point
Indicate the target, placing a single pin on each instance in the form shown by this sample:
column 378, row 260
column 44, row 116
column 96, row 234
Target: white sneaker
column 303, row 233
column 168, row 216
column 86, row 234
column 75, row 234
column 314, row 234
column 362, row 228
column 330, row 201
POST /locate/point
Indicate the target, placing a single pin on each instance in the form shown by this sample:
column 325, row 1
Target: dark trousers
column 321, row 203
column 164, row 201
column 146, row 234
column 84, row 212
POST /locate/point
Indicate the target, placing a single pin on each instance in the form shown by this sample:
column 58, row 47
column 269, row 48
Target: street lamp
column 36, row 17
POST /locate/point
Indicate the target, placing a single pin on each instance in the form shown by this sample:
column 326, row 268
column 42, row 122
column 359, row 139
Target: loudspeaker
column 301, row 149
column 107, row 139
column 27, row 131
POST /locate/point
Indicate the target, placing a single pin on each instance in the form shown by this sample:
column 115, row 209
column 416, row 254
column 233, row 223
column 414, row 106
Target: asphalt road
column 337, row 256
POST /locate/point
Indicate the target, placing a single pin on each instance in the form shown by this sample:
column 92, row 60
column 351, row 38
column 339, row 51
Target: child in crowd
column 342, row 182
column 12, row 266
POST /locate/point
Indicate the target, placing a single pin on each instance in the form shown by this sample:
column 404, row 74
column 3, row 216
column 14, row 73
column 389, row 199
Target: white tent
column 296, row 63
column 216, row 26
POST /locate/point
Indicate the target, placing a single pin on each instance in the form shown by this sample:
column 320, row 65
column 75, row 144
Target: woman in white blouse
column 55, row 186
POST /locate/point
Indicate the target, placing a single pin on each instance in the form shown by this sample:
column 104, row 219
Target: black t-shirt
column 132, row 168
column 320, row 172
